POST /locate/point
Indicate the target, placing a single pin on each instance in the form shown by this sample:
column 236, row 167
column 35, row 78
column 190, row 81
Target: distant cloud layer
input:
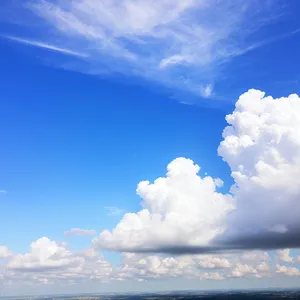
column 178, row 43
column 185, row 213
column 52, row 263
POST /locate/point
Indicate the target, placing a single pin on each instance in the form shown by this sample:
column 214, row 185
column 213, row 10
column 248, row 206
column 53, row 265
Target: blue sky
column 91, row 108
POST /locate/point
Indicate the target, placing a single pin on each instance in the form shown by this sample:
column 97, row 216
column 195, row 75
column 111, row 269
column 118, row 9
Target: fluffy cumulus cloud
column 202, row 267
column 45, row 254
column 258, row 256
column 152, row 39
column 261, row 145
column 179, row 209
column 4, row 252
column 184, row 212
column 147, row 267
column 243, row 269
column 50, row 262
column 288, row 271
column 284, row 255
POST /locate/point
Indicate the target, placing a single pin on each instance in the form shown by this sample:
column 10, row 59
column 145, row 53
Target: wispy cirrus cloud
column 178, row 43
column 114, row 211
column 45, row 46
column 80, row 232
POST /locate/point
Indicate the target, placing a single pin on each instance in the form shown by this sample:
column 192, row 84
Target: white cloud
column 179, row 209
column 154, row 266
column 206, row 91
column 263, row 267
column 114, row 211
column 289, row 271
column 173, row 60
column 153, row 38
column 211, row 262
column 51, row 263
column 3, row 192
column 256, row 256
column 242, row 270
column 261, row 146
column 284, row 255
column 4, row 252
column 182, row 210
column 45, row 255
column 80, row 232
column 213, row 276
column 46, row 46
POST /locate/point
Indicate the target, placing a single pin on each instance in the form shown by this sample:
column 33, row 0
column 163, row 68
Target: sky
column 149, row 145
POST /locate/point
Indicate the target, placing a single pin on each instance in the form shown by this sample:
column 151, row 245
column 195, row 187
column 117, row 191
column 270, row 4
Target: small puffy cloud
column 80, row 232
column 242, row 270
column 289, row 271
column 4, row 252
column 255, row 256
column 44, row 255
column 206, row 91
column 284, row 255
column 263, row 267
column 212, row 276
column 210, row 262
column 180, row 209
column 190, row 266
column 49, row 262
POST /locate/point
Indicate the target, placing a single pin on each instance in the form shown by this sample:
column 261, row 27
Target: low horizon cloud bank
column 50, row 263
column 184, row 213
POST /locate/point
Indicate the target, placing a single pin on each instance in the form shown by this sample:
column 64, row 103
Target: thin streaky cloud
column 182, row 44
column 114, row 211
column 3, row 192
column 46, row 46
column 80, row 232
